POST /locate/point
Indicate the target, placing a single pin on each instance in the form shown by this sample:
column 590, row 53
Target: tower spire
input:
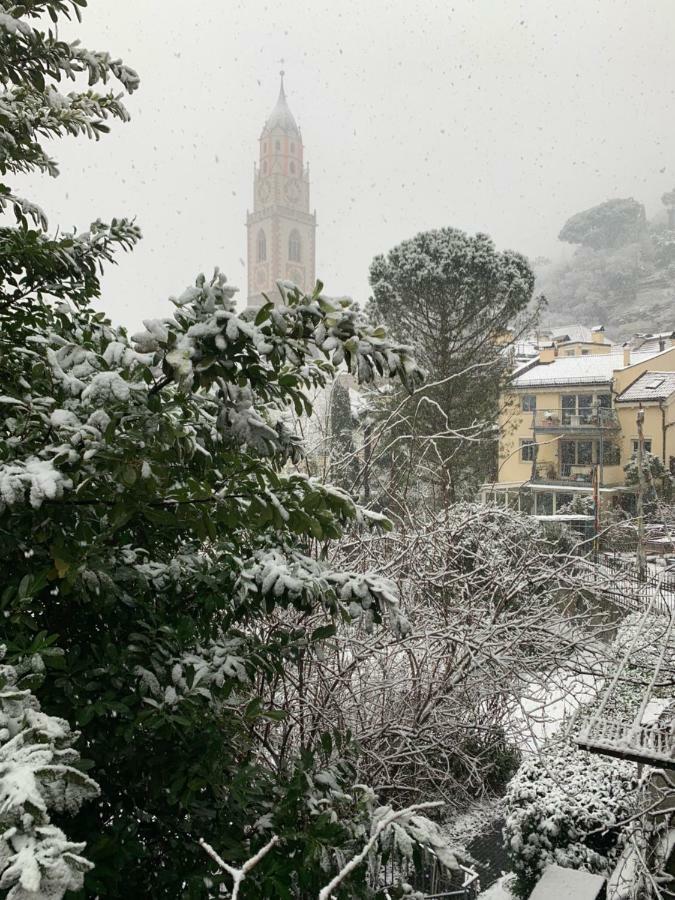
column 281, row 116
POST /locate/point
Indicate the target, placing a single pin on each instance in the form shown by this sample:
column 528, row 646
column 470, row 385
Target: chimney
column 598, row 334
column 662, row 344
column 626, row 354
column 547, row 354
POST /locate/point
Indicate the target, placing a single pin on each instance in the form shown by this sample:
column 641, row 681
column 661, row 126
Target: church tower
column 281, row 229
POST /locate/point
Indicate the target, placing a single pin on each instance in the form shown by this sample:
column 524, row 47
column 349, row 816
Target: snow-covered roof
column 558, row 883
column 281, row 116
column 579, row 369
column 576, row 334
column 649, row 386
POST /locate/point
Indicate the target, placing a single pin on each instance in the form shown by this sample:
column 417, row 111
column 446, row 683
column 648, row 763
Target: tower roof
column 281, row 116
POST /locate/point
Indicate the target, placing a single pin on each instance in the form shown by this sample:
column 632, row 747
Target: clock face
column 264, row 191
column 292, row 192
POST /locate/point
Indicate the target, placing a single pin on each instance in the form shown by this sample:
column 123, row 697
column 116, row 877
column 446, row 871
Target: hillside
column 622, row 273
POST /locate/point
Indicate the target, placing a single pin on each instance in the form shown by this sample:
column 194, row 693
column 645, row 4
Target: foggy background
column 502, row 117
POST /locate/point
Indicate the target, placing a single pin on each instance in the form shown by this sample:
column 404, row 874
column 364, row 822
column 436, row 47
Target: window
column 529, row 402
column 294, row 247
column 526, row 502
column 585, row 352
column 291, row 167
column 528, row 450
column 647, row 444
column 292, row 148
column 653, row 385
column 583, row 407
column 611, row 455
column 544, row 503
column 562, row 500
column 277, row 145
column 265, row 168
column 585, row 453
column 574, row 454
column 262, row 246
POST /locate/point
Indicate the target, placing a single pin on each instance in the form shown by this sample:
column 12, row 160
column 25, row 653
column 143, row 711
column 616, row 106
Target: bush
column 564, row 807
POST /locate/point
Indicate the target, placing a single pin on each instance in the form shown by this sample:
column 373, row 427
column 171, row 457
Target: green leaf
column 253, row 708
column 323, row 632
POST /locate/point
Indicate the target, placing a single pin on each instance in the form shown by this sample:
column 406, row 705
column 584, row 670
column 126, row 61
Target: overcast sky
column 500, row 116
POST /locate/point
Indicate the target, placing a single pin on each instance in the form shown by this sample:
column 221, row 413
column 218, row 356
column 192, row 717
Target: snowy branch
column 385, row 822
column 238, row 875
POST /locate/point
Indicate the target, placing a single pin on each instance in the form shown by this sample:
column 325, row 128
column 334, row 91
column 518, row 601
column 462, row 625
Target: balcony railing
column 552, row 473
column 584, row 421
column 648, row 744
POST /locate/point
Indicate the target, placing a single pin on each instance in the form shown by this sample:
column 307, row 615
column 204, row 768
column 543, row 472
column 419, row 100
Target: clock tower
column 281, row 230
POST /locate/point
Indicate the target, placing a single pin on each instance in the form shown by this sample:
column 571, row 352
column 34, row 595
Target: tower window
column 294, row 247
column 292, row 167
column 265, row 167
column 277, row 145
column 292, row 148
column 262, row 246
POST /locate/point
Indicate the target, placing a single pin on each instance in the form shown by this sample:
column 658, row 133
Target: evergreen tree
column 344, row 462
column 454, row 298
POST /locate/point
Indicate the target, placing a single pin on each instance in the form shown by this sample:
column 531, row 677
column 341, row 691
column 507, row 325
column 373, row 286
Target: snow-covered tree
column 656, row 477
column 344, row 460
column 498, row 608
column 454, row 298
column 611, row 224
column 39, row 776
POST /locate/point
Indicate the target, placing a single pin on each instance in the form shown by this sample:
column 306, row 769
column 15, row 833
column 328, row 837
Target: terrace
column 584, row 421
column 563, row 473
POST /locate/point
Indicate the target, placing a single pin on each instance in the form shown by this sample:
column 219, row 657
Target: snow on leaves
column 284, row 574
column 34, row 480
column 564, row 808
column 37, row 776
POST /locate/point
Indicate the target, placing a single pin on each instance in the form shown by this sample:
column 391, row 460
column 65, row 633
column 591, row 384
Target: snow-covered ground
column 499, row 890
column 545, row 706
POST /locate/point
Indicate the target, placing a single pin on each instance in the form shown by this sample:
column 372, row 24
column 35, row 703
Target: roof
column 558, row 883
column 579, row 369
column 576, row 334
column 647, row 341
column 649, row 386
column 281, row 117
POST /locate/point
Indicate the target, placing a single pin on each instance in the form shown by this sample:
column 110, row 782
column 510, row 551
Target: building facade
column 568, row 426
column 281, row 230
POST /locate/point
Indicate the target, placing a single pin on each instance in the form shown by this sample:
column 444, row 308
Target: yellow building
column 568, row 419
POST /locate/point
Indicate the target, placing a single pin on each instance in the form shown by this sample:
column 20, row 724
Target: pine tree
column 344, row 466
column 455, row 299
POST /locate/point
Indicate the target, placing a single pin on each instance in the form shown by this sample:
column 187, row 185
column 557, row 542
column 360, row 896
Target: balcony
column 565, row 421
column 565, row 474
